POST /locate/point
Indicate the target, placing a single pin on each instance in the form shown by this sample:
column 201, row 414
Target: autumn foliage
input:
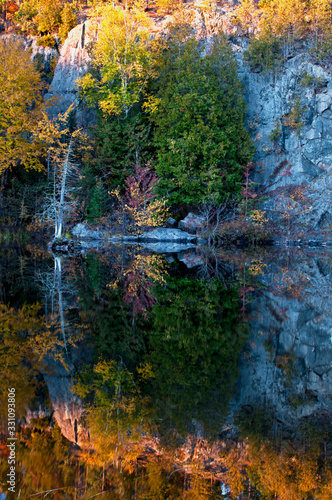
column 142, row 203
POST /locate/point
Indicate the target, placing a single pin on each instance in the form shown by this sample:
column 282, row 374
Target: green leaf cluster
column 121, row 142
column 200, row 137
column 97, row 203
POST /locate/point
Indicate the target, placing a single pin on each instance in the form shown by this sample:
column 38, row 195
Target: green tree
column 120, row 144
column 97, row 205
column 200, row 136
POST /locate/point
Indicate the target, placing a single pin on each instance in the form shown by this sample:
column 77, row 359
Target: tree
column 282, row 24
column 189, row 318
column 122, row 67
column 200, row 134
column 122, row 62
column 48, row 18
column 142, row 203
column 116, row 411
column 97, row 203
column 122, row 143
column 68, row 21
column 21, row 110
column 245, row 14
column 59, row 203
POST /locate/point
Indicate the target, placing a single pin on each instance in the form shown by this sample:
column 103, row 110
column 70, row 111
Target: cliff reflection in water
column 137, row 377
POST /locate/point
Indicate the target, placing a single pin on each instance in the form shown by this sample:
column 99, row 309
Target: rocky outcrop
column 72, row 64
column 289, row 113
column 67, row 407
column 290, row 118
column 192, row 223
column 82, row 231
column 167, row 247
column 170, row 222
column 190, row 259
column 166, row 234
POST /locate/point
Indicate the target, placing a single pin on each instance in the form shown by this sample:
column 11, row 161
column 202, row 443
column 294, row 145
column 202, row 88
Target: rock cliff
column 289, row 116
column 71, row 65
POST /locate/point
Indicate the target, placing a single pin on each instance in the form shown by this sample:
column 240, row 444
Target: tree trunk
column 59, row 222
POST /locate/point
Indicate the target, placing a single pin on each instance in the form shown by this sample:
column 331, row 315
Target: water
column 145, row 376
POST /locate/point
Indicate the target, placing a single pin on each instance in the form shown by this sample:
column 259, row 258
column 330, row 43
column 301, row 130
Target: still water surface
column 146, row 376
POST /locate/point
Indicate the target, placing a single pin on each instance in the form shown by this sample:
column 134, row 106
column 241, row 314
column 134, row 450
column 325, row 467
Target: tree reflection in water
column 163, row 365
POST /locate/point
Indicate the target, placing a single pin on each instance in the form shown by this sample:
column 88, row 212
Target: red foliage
column 140, row 188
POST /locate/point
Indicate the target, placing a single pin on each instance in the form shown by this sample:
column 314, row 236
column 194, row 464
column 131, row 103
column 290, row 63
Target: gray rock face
column 67, row 407
column 82, row 231
column 299, row 158
column 192, row 223
column 72, row 64
column 165, row 234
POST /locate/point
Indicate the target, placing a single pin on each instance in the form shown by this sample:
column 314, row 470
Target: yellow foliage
column 167, row 6
column 152, row 214
column 123, row 56
column 21, row 109
column 288, row 19
column 257, row 217
column 256, row 267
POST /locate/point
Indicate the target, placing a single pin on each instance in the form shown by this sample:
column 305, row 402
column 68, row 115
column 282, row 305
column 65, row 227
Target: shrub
column 275, row 133
column 294, row 119
column 68, row 21
column 264, row 53
column 141, row 197
column 47, row 41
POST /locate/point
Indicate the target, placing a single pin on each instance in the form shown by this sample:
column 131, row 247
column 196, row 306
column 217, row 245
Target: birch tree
column 59, row 202
column 122, row 60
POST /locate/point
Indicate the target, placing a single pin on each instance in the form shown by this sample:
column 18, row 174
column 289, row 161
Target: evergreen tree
column 97, row 205
column 121, row 143
column 200, row 136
